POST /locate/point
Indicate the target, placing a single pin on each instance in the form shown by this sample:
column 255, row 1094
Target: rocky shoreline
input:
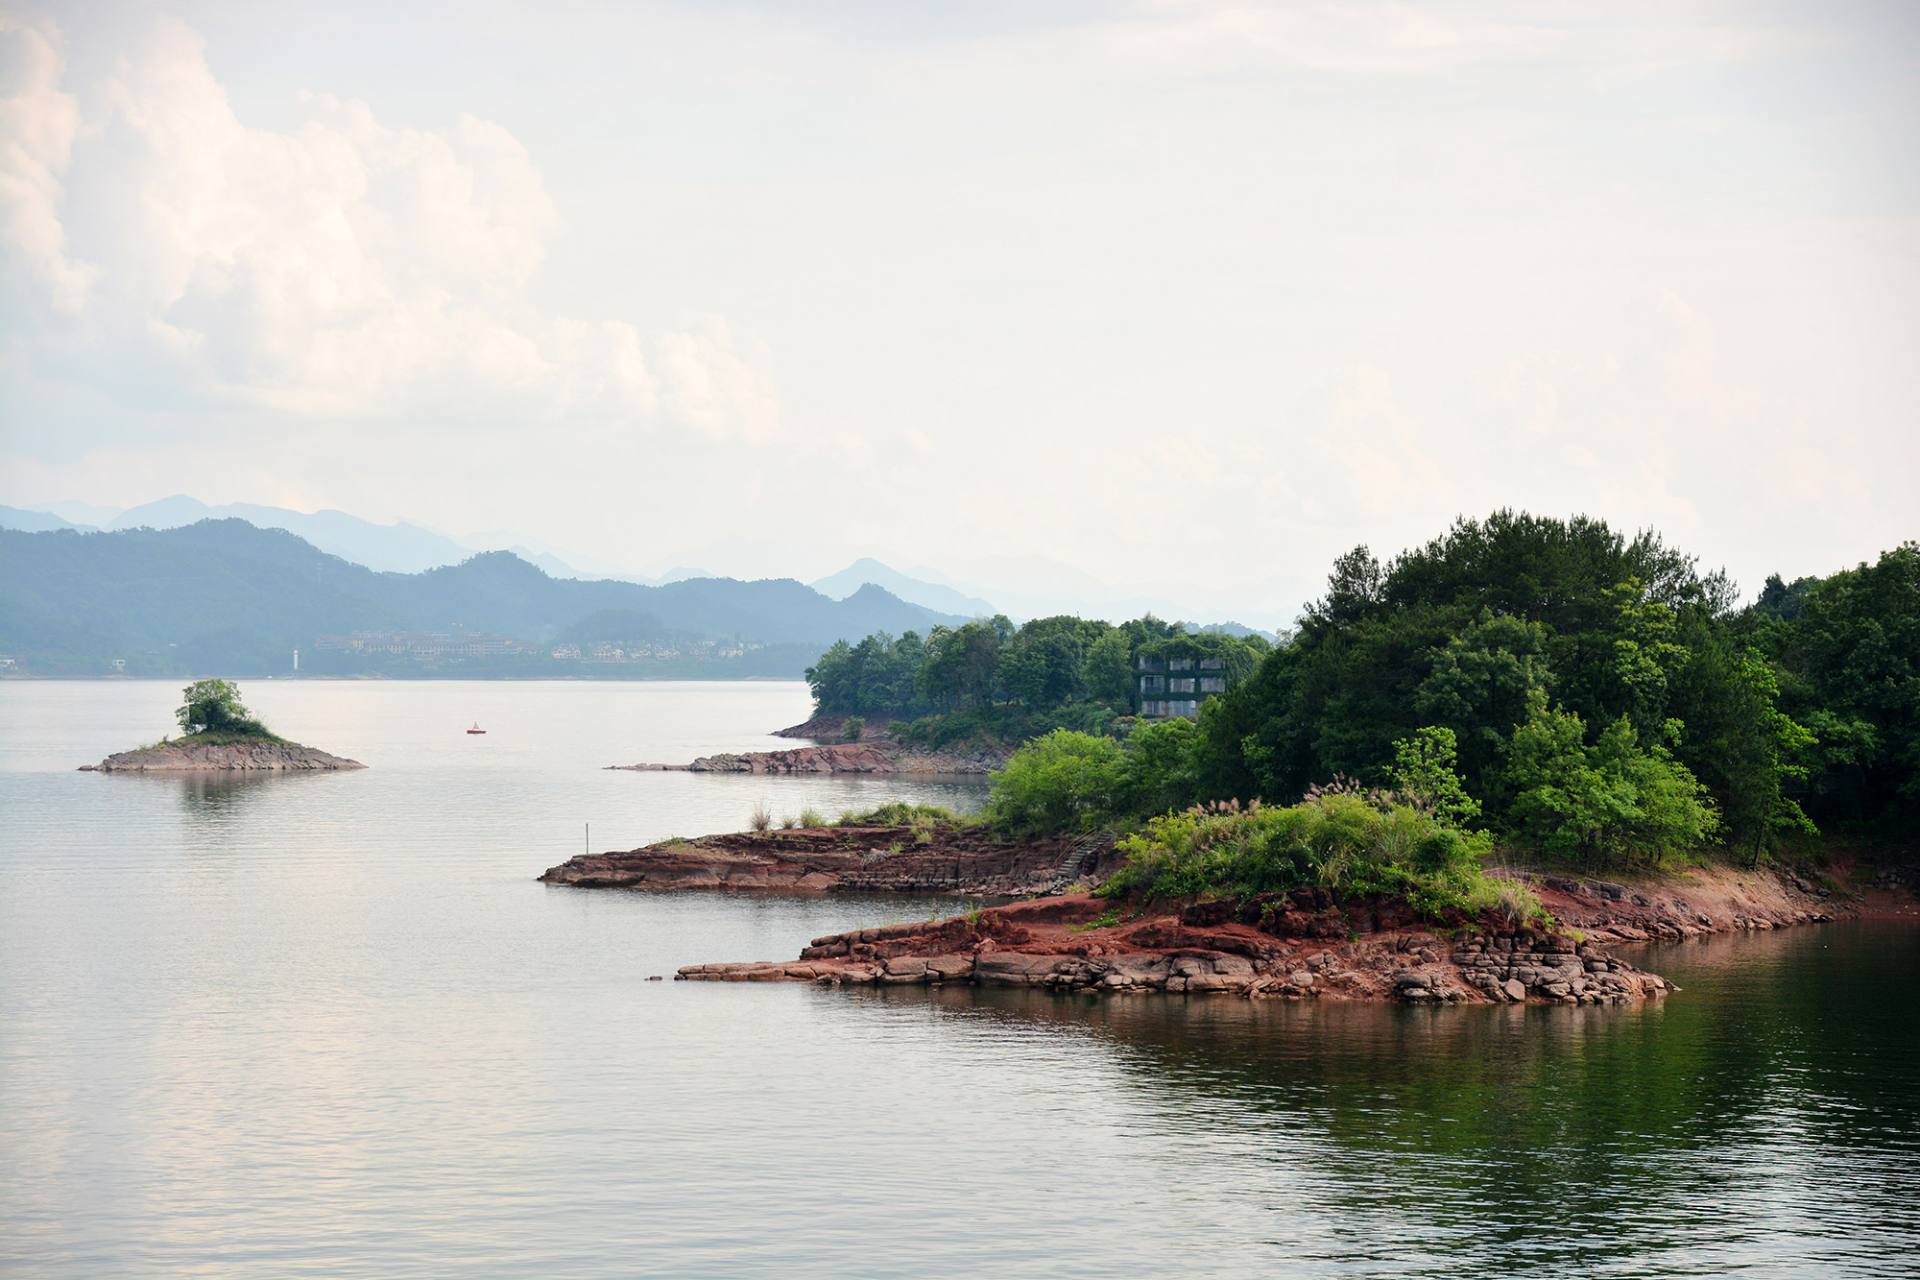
column 186, row 756
column 1302, row 952
column 1301, row 945
column 940, row 859
column 880, row 756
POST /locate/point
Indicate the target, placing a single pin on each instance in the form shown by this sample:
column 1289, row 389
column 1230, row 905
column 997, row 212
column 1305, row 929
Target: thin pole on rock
column 588, row 841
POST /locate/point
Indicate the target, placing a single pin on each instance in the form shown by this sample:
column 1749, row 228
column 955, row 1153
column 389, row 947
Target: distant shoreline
column 24, row 677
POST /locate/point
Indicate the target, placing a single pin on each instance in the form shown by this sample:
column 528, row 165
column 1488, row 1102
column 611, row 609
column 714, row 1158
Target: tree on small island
column 212, row 710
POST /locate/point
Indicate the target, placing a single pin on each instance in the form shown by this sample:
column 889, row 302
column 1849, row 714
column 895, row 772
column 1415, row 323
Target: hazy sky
column 1184, row 299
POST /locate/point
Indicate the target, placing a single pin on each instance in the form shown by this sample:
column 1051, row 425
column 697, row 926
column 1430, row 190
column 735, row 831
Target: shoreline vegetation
column 1520, row 691
column 219, row 735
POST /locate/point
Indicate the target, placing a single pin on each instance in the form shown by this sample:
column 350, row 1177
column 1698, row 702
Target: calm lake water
column 332, row 1026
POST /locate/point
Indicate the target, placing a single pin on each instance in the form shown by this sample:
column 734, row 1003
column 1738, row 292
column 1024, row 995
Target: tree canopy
column 1589, row 695
column 1041, row 666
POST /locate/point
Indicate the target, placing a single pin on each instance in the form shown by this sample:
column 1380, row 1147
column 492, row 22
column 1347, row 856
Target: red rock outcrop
column 1066, row 943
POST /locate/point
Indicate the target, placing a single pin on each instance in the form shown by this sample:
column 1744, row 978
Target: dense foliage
column 990, row 678
column 1587, row 696
column 1845, row 652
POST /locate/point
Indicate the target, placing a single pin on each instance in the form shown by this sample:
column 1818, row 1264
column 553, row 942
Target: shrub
column 899, row 813
column 761, row 819
column 1347, row 843
column 852, row 728
column 812, row 817
column 1064, row 781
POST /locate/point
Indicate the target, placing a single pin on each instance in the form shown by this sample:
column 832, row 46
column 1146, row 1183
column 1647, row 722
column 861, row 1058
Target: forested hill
column 224, row 595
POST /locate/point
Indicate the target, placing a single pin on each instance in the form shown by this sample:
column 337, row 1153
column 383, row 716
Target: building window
column 1187, row 708
column 1179, row 664
column 1180, row 684
column 1213, row 684
column 1213, row 664
column 1152, row 684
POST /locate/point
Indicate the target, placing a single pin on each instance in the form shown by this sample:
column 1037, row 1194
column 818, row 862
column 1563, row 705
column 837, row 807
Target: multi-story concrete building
column 1173, row 683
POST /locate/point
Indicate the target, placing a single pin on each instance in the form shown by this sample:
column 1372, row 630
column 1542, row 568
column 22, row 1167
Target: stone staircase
column 1078, row 860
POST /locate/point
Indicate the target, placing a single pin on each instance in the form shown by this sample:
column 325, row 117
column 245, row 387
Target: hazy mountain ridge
column 223, row 594
column 932, row 595
column 405, row 547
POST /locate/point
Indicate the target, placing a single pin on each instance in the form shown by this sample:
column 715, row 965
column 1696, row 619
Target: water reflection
column 216, row 798
column 1678, row 1133
column 331, row 1026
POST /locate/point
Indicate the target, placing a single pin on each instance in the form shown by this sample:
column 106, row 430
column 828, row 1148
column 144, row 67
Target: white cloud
column 711, row 386
column 342, row 268
column 37, row 127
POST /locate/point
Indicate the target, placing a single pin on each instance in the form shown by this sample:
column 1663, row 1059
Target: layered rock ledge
column 875, row 757
column 201, row 757
column 1686, row 904
column 1302, row 951
column 945, row 859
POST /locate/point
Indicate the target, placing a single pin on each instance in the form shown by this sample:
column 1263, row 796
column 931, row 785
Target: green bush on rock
column 1351, row 842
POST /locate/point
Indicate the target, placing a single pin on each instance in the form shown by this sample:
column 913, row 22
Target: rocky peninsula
column 1304, row 944
column 963, row 860
column 1304, row 947
column 187, row 756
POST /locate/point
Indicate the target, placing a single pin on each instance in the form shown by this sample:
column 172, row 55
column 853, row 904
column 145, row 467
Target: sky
column 1121, row 305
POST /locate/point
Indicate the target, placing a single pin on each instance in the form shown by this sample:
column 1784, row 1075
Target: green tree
column 962, row 664
column 1739, row 743
column 1423, row 770
column 1481, row 684
column 1064, row 781
column 1849, row 666
column 1613, row 801
column 1108, row 674
column 1162, row 772
column 214, row 706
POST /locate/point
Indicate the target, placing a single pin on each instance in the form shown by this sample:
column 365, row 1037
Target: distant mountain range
column 225, row 596
column 932, row 595
column 402, row 547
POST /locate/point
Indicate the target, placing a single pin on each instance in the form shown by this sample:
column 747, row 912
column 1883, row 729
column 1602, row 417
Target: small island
column 219, row 735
